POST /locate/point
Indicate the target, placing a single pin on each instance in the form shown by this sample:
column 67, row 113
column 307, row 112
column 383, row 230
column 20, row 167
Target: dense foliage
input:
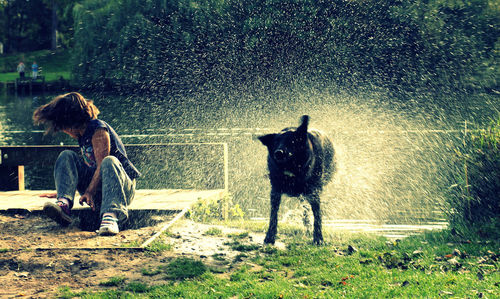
column 475, row 204
column 155, row 44
column 26, row 25
column 35, row 25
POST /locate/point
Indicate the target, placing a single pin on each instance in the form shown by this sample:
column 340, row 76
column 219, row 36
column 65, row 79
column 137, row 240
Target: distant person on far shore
column 20, row 69
column 34, row 68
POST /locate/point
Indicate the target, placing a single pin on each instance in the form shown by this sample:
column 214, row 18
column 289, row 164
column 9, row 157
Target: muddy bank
column 34, row 273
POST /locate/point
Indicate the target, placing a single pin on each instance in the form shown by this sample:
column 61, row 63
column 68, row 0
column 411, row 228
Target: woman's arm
column 102, row 148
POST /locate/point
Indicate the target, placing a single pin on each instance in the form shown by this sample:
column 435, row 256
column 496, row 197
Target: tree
column 26, row 25
column 33, row 25
column 393, row 43
column 59, row 9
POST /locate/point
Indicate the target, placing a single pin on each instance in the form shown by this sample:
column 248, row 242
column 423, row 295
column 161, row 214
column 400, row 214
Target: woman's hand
column 101, row 145
column 48, row 195
column 88, row 199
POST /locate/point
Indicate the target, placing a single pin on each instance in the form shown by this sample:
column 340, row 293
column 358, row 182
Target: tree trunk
column 9, row 47
column 54, row 26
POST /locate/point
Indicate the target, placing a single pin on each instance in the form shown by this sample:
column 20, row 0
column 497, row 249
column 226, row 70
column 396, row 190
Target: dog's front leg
column 316, row 209
column 273, row 219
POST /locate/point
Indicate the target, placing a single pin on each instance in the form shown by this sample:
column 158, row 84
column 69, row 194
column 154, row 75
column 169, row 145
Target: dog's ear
column 267, row 140
column 302, row 129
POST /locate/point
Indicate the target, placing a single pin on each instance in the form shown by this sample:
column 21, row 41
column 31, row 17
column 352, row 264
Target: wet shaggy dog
column 301, row 163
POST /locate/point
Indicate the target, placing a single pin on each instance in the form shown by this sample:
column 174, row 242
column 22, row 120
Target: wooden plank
column 160, row 200
column 164, row 228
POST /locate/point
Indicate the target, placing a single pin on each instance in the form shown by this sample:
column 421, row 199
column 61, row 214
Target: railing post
column 226, row 168
column 226, row 181
column 20, row 177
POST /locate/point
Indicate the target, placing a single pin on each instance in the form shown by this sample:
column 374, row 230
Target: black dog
column 300, row 163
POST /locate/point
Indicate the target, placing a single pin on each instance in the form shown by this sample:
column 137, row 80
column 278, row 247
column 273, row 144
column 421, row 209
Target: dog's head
column 289, row 148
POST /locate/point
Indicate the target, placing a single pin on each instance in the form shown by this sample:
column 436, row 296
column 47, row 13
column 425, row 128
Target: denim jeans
column 115, row 192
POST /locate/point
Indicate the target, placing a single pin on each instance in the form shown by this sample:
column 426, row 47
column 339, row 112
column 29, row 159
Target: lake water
column 395, row 157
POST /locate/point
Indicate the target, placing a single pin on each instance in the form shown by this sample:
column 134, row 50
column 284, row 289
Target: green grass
column 307, row 271
column 113, row 281
column 151, row 271
column 239, row 236
column 159, row 245
column 427, row 266
column 137, row 287
column 214, row 231
column 184, row 268
column 6, row 77
column 54, row 64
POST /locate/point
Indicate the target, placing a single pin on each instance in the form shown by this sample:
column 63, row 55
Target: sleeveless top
column 117, row 148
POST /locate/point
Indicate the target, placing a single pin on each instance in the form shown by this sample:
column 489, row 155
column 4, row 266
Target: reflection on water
column 395, row 157
column 389, row 228
column 391, row 231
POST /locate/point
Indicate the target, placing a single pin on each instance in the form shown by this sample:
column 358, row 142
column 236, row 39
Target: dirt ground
column 37, row 257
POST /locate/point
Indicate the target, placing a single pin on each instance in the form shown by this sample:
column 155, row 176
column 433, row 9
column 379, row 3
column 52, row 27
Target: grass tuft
column 113, row 281
column 151, row 272
column 159, row 245
column 183, row 268
column 213, row 231
column 137, row 287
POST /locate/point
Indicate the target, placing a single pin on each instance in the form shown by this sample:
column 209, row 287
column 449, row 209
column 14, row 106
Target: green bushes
column 206, row 210
column 475, row 200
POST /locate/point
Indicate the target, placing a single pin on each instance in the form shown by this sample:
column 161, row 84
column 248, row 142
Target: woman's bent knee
column 66, row 158
column 67, row 154
column 110, row 161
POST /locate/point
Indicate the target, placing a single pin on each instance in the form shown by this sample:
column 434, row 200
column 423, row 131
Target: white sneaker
column 109, row 226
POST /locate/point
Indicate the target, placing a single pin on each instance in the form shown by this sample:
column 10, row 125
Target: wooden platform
column 162, row 199
column 172, row 204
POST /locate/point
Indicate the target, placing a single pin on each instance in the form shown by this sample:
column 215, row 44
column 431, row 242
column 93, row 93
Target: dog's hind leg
column 316, row 209
column 273, row 218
